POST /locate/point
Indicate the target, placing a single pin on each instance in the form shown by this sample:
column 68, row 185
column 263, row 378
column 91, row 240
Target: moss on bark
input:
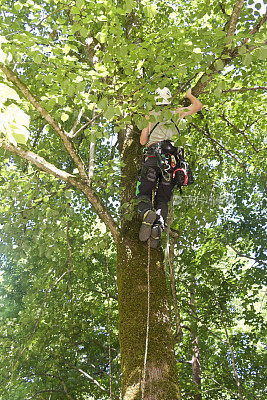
column 161, row 376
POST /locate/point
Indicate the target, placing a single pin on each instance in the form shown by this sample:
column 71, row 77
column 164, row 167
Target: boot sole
column 145, row 230
column 155, row 240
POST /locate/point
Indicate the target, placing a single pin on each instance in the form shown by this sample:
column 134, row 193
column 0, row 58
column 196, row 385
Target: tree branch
column 246, row 256
column 257, row 27
column 215, row 141
column 36, row 324
column 90, row 193
column 239, row 131
column 232, row 355
column 72, row 133
column 88, row 377
column 234, row 17
column 207, row 77
column 214, row 380
column 69, row 145
column 239, row 90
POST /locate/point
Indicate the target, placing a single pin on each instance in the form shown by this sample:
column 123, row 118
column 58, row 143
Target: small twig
column 36, row 325
column 215, row 141
column 238, row 90
column 246, row 256
column 201, row 324
column 52, row 13
column 239, row 131
column 214, row 380
column 72, row 133
column 69, row 246
column 232, row 354
column 86, row 375
column 257, row 27
column 43, row 391
column 214, row 146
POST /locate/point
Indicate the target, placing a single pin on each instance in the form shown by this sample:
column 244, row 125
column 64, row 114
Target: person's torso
column 165, row 130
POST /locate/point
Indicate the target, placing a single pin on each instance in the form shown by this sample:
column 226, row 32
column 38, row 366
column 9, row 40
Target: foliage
column 94, row 67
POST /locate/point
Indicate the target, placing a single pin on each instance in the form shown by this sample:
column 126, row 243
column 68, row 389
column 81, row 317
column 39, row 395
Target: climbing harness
column 109, row 342
column 170, row 160
column 148, row 316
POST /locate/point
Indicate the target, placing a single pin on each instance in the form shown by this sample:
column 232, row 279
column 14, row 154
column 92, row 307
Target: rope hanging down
column 148, row 314
column 109, row 345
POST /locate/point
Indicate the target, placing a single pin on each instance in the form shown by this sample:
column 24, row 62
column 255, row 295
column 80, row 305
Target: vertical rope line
column 109, row 342
column 148, row 314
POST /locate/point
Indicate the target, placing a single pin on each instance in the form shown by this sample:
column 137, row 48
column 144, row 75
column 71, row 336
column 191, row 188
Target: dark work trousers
column 150, row 177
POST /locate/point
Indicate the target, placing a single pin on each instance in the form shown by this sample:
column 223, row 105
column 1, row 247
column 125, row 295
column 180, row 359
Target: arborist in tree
column 164, row 166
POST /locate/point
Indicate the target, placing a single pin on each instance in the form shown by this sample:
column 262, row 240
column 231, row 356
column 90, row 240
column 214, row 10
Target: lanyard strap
column 154, row 127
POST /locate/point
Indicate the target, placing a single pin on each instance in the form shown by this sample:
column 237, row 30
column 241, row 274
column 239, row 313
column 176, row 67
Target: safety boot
column 148, row 219
column 155, row 236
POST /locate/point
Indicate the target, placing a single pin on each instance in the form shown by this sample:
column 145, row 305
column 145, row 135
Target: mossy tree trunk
column 196, row 373
column 161, row 373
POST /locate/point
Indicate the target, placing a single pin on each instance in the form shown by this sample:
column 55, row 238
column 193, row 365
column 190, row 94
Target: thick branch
column 206, row 78
column 257, row 26
column 12, row 77
column 90, row 193
column 234, row 17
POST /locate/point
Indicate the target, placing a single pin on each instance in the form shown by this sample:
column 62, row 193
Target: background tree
column 85, row 73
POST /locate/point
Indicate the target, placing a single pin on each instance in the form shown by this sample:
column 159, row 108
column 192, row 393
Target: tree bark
column 196, row 373
column 161, row 373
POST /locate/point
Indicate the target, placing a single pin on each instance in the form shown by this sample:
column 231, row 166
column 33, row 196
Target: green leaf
column 129, row 4
column 101, row 36
column 204, row 79
column 84, row 32
column 110, row 112
column 75, row 10
column 18, row 6
column 79, row 3
column 242, row 50
column 247, row 59
column 150, row 10
column 7, row 92
column 64, row 117
column 37, row 58
column 219, row 65
column 262, row 53
column 103, row 103
column 217, row 92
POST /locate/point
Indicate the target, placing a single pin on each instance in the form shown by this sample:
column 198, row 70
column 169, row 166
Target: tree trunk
column 196, row 373
column 161, row 373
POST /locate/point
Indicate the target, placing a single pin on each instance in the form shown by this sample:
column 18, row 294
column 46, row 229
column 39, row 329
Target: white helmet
column 163, row 94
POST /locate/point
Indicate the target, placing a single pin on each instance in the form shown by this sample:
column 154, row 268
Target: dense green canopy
column 74, row 77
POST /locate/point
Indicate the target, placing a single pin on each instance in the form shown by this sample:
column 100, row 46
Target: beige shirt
column 163, row 131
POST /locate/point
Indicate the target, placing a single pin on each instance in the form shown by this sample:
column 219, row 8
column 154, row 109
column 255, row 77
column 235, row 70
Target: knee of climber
column 150, row 174
column 144, row 204
column 146, row 182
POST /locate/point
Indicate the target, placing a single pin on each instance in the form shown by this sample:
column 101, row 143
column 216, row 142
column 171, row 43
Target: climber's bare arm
column 145, row 133
column 194, row 107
